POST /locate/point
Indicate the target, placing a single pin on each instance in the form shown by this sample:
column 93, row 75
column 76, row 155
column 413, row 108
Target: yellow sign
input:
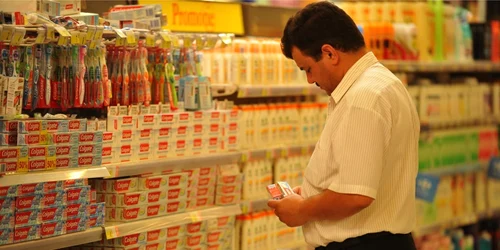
column 208, row 17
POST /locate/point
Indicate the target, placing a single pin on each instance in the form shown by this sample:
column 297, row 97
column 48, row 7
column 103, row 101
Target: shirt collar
column 352, row 75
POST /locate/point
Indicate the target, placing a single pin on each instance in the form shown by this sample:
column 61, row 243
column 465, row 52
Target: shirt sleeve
column 359, row 148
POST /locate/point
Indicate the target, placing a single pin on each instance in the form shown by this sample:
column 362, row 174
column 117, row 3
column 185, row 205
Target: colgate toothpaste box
column 54, row 199
column 97, row 209
column 31, row 126
column 206, row 181
column 65, row 138
column 202, row 202
column 127, row 136
column 158, row 245
column 41, row 151
column 124, row 153
column 192, row 173
column 90, row 137
column 7, row 205
column 26, row 233
column 76, row 224
column 161, row 149
column 185, row 118
column 90, row 149
column 218, row 236
column 197, row 227
column 126, row 199
column 126, row 213
column 33, row 139
column 53, row 186
column 118, row 185
column 77, row 210
column 230, row 129
column 7, row 220
column 228, row 189
column 54, row 213
column 164, row 133
column 8, row 191
column 68, row 150
column 96, row 220
column 32, row 188
column 56, row 125
column 78, row 194
column 230, row 115
column 8, row 126
column 144, row 151
column 119, row 123
column 201, row 192
column 196, row 240
column 15, row 165
column 176, row 206
column 154, row 210
column 147, row 121
column 89, row 160
column 64, row 162
column 31, row 201
column 221, row 222
column 130, row 240
column 196, row 147
column 167, row 119
column 163, row 181
column 76, row 183
column 229, row 199
column 208, row 171
column 215, row 116
column 41, row 164
column 6, row 236
column 213, row 145
column 175, row 243
column 214, row 129
column 230, row 143
column 109, row 138
column 176, row 231
column 145, row 136
column 108, row 156
column 52, row 228
column 156, row 235
column 179, row 193
column 76, row 125
column 8, row 139
column 182, row 132
column 28, row 217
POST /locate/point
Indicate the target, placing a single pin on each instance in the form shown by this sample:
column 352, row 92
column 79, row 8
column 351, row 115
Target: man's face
column 318, row 72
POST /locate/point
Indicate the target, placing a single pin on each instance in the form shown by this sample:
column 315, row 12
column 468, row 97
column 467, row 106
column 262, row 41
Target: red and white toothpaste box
column 119, row 123
column 8, row 191
column 161, row 149
column 7, row 205
column 215, row 117
column 228, row 189
column 176, row 206
column 77, row 210
column 155, row 196
column 90, row 137
column 202, row 202
column 6, row 236
column 176, row 231
column 156, row 235
column 54, row 213
column 57, row 198
column 147, row 121
column 185, row 118
column 213, row 145
column 125, row 199
column 164, row 133
column 163, row 181
column 76, row 183
column 144, row 151
column 41, row 164
column 7, row 220
column 33, row 139
column 154, row 210
column 196, row 227
column 193, row 173
column 196, row 147
column 182, row 132
column 77, row 125
column 76, row 224
column 229, row 116
column 41, row 151
column 90, row 149
column 52, row 228
column 56, row 125
column 230, row 129
column 218, row 236
column 8, row 126
column 130, row 240
column 8, row 139
column 109, row 138
column 199, row 130
column 26, row 233
column 118, row 185
column 179, row 148
column 124, row 153
column 221, row 222
column 175, row 243
column 68, row 150
column 167, row 119
column 89, row 160
column 230, row 143
column 145, row 135
column 208, row 171
column 107, row 154
column 28, row 217
column 97, row 209
column 64, row 162
column 127, row 136
column 221, row 200
column 31, row 201
column 214, row 129
column 235, row 179
column 201, row 192
column 156, row 245
column 177, row 193
column 204, row 181
column 31, row 126
column 126, row 213
column 78, row 194
column 54, row 186
column 96, row 221
column 196, row 240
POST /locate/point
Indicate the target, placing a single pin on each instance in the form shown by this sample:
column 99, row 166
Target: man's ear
column 330, row 53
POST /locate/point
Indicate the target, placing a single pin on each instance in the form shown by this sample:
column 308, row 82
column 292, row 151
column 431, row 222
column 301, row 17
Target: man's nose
column 310, row 80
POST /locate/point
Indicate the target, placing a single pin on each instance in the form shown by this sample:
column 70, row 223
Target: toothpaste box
column 15, row 165
column 179, row 148
column 158, row 245
column 41, row 164
column 130, row 240
column 76, row 224
column 7, row 205
column 31, row 126
column 8, row 191
column 201, row 192
column 176, row 206
column 228, row 189
column 167, row 120
column 54, row 199
column 163, row 181
column 109, row 138
column 156, row 235
column 153, row 210
column 218, row 236
column 31, row 201
column 119, row 123
column 124, row 153
column 127, row 136
column 78, row 194
column 155, row 196
column 6, row 236
column 8, row 139
column 8, row 126
column 229, row 116
column 230, row 129
column 56, row 125
column 199, row 130
column 63, row 138
column 161, row 149
column 32, row 188
column 229, row 199
column 177, row 194
column 108, row 156
column 230, row 143
column 164, row 133
column 196, row 240
column 7, row 220
column 196, row 147
column 90, row 149
column 89, row 160
column 175, row 243
column 213, row 145
column 146, row 135
column 126, row 199
column 41, row 151
column 90, row 137
column 206, row 181
column 192, row 173
column 185, row 118
column 33, row 139
column 126, row 213
column 97, row 209
column 52, row 228
column 146, row 121
column 66, row 162
column 53, row 186
column 201, row 202
column 77, row 125
column 143, row 151
column 215, row 117
column 26, row 233
column 76, row 183
column 68, row 150
column 197, row 227
column 77, row 210
column 221, row 222
column 118, row 185
column 96, row 221
column 54, row 213
column 182, row 132
column 208, row 171
column 213, row 130
column 230, row 179
column 176, row 231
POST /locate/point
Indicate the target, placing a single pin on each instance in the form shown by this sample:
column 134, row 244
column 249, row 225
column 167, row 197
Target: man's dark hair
column 318, row 24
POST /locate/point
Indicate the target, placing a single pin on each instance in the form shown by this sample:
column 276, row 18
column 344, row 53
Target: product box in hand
column 279, row 190
column 28, row 217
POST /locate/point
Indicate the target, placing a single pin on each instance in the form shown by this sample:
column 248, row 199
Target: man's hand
column 288, row 210
column 298, row 190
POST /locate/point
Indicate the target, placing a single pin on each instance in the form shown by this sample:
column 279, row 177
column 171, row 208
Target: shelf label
column 245, row 156
column 426, row 187
column 270, row 154
column 246, row 207
column 195, row 216
column 112, row 232
column 494, row 168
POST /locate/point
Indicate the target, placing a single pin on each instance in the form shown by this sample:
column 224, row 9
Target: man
column 359, row 185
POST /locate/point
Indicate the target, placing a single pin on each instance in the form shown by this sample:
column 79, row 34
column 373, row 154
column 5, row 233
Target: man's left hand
column 289, row 211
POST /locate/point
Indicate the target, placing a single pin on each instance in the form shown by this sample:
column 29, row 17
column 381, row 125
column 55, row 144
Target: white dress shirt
column 369, row 146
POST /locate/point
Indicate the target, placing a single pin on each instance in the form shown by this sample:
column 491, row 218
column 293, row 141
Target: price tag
column 112, row 232
column 130, row 37
column 17, row 36
column 120, row 41
column 82, row 36
column 6, row 32
column 285, row 152
column 175, row 41
column 150, row 40
column 426, row 187
column 270, row 154
column 75, row 37
column 265, row 91
column 245, row 156
column 96, row 40
column 51, row 34
column 119, row 33
column 246, row 207
column 494, row 168
column 195, row 216
column 188, row 41
column 91, row 32
column 41, row 36
column 62, row 40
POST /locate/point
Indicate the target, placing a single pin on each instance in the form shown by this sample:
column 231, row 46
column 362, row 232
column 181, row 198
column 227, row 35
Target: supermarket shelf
column 223, row 89
column 459, row 221
column 115, row 230
column 459, row 169
column 157, row 166
column 58, row 242
column 277, row 90
column 276, row 151
column 55, row 175
column 254, row 206
column 409, row 66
